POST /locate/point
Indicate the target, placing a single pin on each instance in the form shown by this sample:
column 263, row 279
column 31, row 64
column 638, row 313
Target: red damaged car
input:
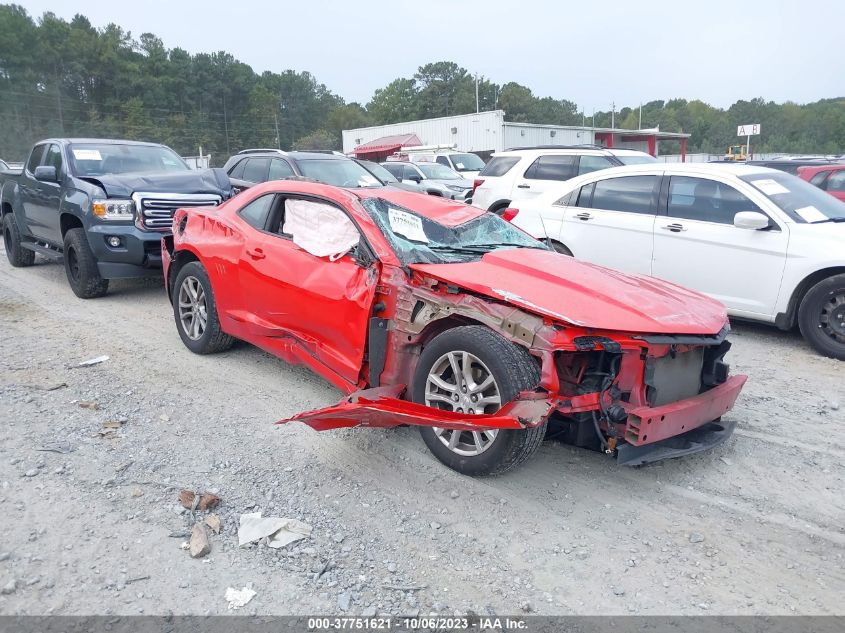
column 438, row 314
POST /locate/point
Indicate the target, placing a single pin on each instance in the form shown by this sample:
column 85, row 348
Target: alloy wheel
column 460, row 381
column 193, row 310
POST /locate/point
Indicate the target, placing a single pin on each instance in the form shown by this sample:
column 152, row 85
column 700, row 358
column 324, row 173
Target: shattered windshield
column 417, row 239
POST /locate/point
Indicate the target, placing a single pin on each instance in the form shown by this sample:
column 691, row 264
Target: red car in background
column 831, row 178
column 433, row 313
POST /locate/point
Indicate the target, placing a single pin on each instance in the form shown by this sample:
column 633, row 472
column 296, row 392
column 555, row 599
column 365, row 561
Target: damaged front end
column 641, row 398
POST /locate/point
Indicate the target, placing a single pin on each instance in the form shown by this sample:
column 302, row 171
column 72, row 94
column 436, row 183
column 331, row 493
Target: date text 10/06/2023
column 424, row 623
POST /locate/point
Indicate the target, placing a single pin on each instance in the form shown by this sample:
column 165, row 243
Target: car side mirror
column 751, row 220
column 46, row 173
column 415, row 178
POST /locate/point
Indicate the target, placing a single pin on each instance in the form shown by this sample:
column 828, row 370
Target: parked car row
column 765, row 243
column 467, row 164
column 433, row 178
column 425, row 310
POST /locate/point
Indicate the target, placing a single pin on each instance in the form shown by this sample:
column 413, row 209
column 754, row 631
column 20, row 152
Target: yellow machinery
column 736, row 152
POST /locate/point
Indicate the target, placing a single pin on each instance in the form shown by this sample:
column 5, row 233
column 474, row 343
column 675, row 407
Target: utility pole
column 226, row 126
column 476, row 93
column 641, row 116
column 278, row 138
column 612, row 114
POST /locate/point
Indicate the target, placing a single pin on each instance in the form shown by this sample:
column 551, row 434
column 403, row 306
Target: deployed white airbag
column 321, row 229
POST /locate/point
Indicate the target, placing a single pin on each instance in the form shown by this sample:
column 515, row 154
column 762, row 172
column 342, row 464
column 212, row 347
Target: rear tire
column 195, row 311
column 482, row 354
column 81, row 266
column 19, row 257
column 821, row 317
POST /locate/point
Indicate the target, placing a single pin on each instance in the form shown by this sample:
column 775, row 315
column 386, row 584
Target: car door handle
column 674, row 227
column 256, row 253
column 584, row 216
column 523, row 186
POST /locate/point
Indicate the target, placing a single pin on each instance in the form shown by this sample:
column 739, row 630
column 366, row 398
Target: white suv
column 763, row 242
column 527, row 172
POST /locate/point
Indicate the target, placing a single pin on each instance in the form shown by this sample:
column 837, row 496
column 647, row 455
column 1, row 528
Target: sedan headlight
column 113, row 209
column 455, row 188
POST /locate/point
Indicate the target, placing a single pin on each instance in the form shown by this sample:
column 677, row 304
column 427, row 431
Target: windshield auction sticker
column 87, row 154
column 408, row 225
column 811, row 214
column 769, row 186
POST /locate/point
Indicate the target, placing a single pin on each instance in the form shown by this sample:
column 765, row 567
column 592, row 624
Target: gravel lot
column 754, row 527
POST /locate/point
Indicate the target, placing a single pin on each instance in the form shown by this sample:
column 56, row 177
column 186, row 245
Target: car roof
column 588, row 150
column 814, row 169
column 101, row 141
column 296, row 155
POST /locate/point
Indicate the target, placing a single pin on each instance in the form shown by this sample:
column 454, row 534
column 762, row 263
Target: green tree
column 319, row 140
column 398, row 101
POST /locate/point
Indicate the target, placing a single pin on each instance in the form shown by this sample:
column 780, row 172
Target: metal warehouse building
column 487, row 132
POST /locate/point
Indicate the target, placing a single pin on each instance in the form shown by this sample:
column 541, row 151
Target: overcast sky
column 592, row 53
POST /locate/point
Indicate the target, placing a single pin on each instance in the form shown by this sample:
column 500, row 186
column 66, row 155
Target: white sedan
column 768, row 245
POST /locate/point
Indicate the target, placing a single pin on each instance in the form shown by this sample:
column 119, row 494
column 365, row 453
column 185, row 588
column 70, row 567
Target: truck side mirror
column 46, row 173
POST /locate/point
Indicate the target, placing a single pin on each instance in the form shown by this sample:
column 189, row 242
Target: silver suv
column 435, row 179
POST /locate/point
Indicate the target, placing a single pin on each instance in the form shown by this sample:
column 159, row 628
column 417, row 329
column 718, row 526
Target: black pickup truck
column 101, row 205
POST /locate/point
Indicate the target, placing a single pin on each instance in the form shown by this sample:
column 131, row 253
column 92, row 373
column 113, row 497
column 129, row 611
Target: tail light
column 476, row 184
column 509, row 214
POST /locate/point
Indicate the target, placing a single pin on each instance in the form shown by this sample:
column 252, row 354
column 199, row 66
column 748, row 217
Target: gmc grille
column 155, row 210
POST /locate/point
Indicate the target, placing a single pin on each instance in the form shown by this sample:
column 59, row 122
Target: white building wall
column 640, row 146
column 470, row 132
column 529, row 135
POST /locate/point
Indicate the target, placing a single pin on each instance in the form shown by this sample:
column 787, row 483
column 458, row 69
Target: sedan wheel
column 460, row 381
column 832, row 317
column 821, row 316
column 193, row 310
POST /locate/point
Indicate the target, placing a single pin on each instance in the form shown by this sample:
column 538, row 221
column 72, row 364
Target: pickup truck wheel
column 821, row 316
column 473, row 370
column 196, row 312
column 81, row 266
column 19, row 256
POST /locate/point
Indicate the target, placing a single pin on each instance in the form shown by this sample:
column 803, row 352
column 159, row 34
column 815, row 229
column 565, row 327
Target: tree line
column 69, row 78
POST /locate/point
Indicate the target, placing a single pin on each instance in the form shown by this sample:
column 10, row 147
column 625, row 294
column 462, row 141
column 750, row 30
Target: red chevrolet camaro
column 437, row 314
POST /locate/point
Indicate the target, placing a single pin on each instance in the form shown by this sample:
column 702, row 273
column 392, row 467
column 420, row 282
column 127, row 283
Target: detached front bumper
column 648, row 425
column 651, row 433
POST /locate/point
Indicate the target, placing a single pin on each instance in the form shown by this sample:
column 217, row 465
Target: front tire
column 821, row 317
column 195, row 311
column 81, row 266
column 19, row 257
column 474, row 370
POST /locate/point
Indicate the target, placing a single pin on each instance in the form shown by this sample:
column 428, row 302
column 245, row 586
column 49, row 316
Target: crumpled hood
column 576, row 292
column 204, row 181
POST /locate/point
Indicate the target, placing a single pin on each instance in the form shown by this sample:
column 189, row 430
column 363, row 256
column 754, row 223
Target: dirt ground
column 89, row 513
